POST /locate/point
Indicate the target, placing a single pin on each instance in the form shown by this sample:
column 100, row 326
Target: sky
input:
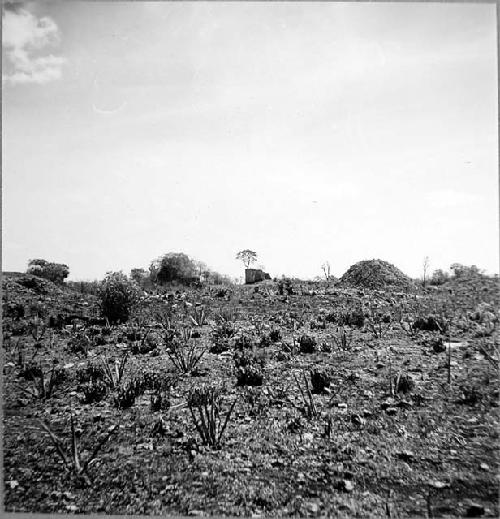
column 306, row 132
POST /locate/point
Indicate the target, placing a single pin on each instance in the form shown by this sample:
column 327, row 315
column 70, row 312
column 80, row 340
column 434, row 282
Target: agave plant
column 205, row 404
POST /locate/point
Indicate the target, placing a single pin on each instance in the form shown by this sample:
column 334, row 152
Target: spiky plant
column 205, row 403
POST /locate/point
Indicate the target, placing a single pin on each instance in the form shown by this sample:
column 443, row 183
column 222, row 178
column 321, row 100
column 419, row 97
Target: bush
column 127, row 393
column 320, row 380
column 93, row 391
column 173, row 267
column 464, row 271
column 307, row 344
column 439, row 277
column 220, row 337
column 249, row 368
column 430, row 323
column 285, row 287
column 275, row 335
column 117, row 296
column 55, row 272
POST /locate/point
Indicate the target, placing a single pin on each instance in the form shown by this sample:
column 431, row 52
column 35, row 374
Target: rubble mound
column 375, row 274
column 22, row 292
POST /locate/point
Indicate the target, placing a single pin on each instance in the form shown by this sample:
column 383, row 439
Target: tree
column 174, row 266
column 117, row 295
column 140, row 276
column 326, row 270
column 439, row 277
column 247, row 256
column 426, row 268
column 55, row 272
column 463, row 271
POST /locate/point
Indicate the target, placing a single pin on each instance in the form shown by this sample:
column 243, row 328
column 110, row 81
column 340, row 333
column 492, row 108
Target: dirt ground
column 407, row 425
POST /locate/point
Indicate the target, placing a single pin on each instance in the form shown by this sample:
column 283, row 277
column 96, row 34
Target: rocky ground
column 401, row 421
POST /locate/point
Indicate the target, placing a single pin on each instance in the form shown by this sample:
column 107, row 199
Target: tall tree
column 247, row 256
column 426, row 269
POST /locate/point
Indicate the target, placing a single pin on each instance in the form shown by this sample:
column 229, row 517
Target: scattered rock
column 439, row 484
column 311, row 507
column 407, row 456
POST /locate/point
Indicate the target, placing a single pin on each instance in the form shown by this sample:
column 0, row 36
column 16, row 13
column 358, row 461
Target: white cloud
column 23, row 36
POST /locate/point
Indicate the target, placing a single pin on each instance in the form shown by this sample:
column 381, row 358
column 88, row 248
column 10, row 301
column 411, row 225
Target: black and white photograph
column 250, row 259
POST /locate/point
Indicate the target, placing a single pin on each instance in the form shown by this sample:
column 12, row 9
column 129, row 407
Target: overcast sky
column 304, row 131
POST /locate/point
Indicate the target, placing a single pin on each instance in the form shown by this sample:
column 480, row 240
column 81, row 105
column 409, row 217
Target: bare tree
column 247, row 256
column 326, row 270
column 426, row 269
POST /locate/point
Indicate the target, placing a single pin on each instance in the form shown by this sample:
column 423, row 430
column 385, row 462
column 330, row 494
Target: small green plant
column 198, row 316
column 243, row 342
column 184, row 352
column 73, row 462
column 37, row 329
column 160, row 401
column 308, row 344
column 343, row 338
column 320, row 380
column 145, row 343
column 275, row 335
column 376, row 324
column 93, row 391
column 249, row 367
column 226, row 315
column 43, row 384
column 80, row 343
column 430, row 323
column 204, row 403
column 127, row 392
column 114, row 375
column 309, row 406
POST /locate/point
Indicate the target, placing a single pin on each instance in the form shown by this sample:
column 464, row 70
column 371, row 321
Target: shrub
column 160, row 401
column 403, row 383
column 55, row 272
column 71, row 458
column 320, row 380
column 464, row 271
column 91, row 372
column 430, row 323
column 243, row 342
column 275, row 335
column 353, row 318
column 220, row 337
column 126, row 394
column 285, row 287
column 156, row 380
column 80, row 343
column 439, row 277
column 249, row 368
column 93, row 391
column 117, row 296
column 44, row 384
column 307, row 344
